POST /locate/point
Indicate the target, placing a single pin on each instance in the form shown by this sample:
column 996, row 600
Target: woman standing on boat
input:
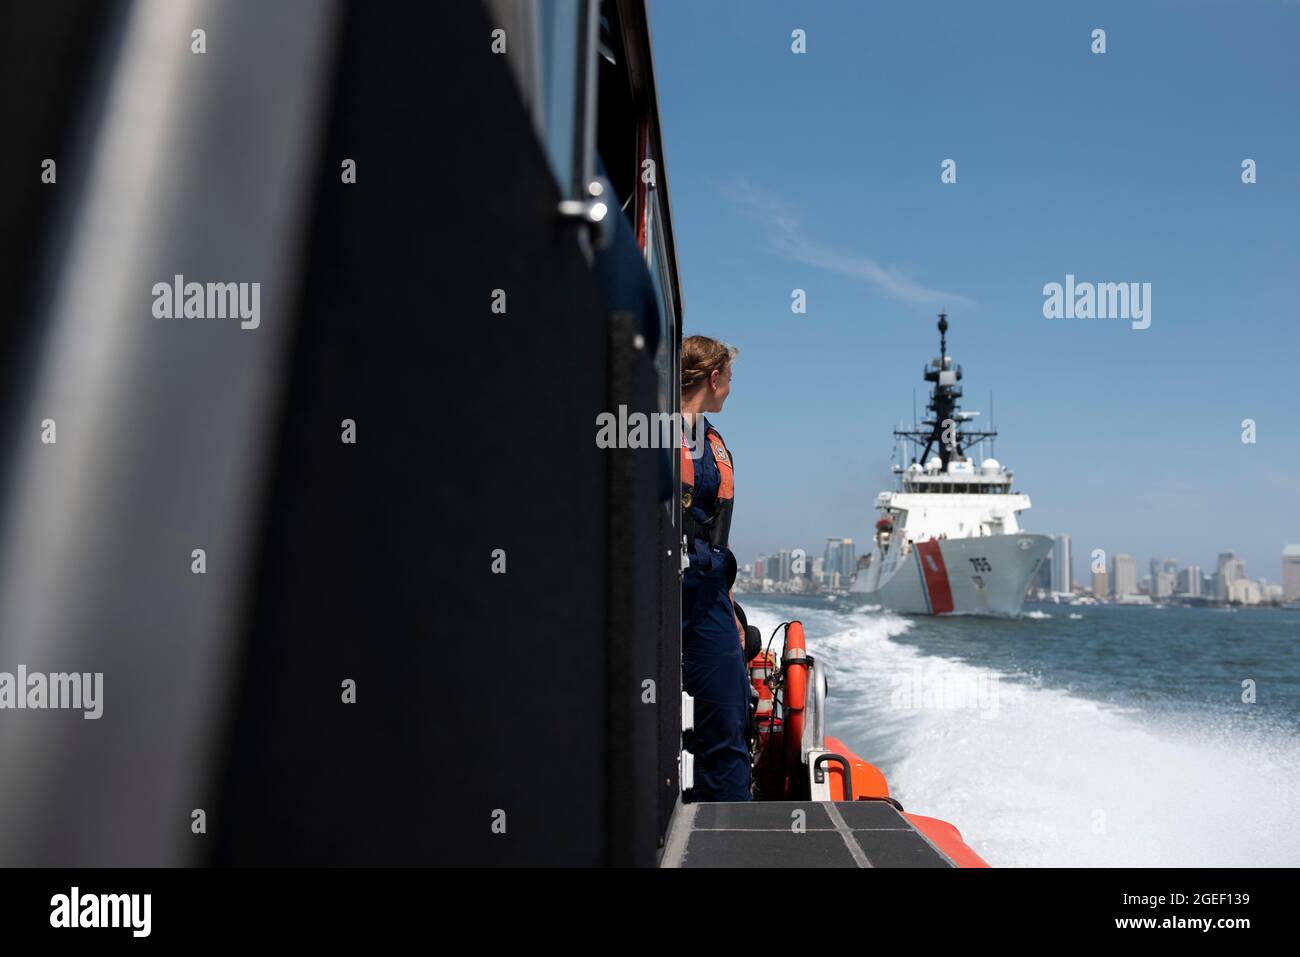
column 713, row 663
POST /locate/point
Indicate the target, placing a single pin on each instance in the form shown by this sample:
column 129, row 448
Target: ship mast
column 943, row 429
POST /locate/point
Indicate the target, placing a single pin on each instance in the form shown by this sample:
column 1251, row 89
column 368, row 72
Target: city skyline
column 1118, row 578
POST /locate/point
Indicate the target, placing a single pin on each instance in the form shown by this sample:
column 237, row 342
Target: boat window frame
column 567, row 44
column 656, row 253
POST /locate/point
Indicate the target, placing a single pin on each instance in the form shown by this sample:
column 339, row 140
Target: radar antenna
column 943, row 431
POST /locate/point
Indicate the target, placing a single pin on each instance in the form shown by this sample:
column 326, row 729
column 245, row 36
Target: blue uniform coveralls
column 713, row 661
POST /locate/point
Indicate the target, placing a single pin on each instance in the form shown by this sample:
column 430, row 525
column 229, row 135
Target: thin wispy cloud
column 786, row 233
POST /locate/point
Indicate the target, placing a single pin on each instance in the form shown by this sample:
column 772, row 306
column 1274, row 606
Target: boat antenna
column 930, row 433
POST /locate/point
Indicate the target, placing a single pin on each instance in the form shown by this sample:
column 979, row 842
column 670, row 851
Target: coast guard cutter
column 948, row 540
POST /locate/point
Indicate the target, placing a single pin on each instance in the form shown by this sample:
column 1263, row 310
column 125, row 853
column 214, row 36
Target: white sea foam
column 1052, row 778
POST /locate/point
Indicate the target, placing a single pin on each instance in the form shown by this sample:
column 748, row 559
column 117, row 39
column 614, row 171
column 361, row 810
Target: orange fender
column 794, row 662
column 948, row 839
column 868, row 781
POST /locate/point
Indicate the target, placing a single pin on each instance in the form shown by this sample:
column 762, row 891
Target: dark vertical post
column 621, row 629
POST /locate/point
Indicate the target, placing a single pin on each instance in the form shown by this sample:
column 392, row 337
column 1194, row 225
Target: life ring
column 794, row 665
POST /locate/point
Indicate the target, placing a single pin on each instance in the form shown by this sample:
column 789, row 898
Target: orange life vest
column 717, row 529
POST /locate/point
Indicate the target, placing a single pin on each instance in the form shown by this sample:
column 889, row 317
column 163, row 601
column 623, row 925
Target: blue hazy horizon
column 821, row 172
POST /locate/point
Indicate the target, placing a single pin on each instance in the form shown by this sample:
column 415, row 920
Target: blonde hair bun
column 701, row 356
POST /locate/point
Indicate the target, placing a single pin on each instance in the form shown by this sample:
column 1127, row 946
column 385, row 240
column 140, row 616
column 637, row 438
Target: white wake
column 1037, row 776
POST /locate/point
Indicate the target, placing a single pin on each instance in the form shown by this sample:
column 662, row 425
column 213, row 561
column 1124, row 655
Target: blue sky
column 821, row 171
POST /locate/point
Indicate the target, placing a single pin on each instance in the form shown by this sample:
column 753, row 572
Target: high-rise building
column 1123, row 575
column 1101, row 584
column 1291, row 573
column 848, row 559
column 1231, row 569
column 1062, row 565
column 784, row 561
column 1245, row 592
column 1164, row 575
column 831, row 555
column 1163, row 583
column 839, row 558
column 1189, row 582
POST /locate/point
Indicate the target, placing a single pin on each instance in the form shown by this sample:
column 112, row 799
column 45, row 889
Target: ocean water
column 1101, row 736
